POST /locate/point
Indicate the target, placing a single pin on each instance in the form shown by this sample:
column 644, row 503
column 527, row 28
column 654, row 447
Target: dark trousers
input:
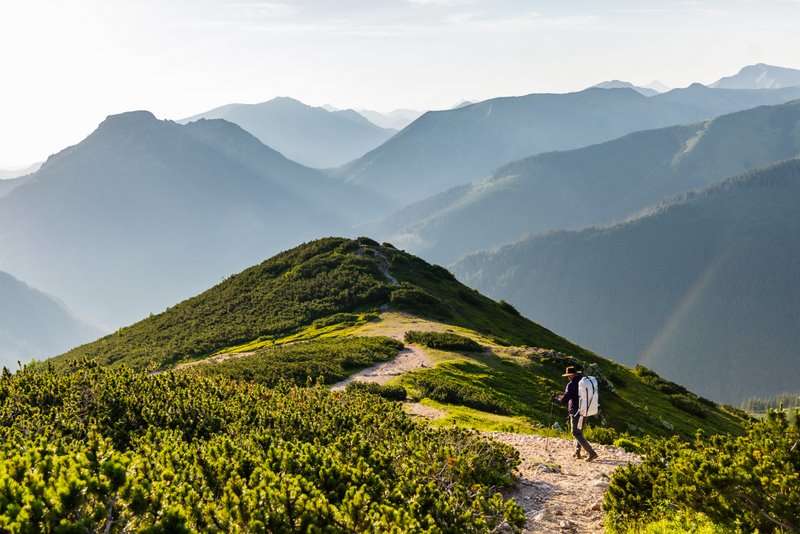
column 577, row 432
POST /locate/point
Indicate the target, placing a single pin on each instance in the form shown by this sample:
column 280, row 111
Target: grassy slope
column 284, row 296
column 301, row 295
column 525, row 384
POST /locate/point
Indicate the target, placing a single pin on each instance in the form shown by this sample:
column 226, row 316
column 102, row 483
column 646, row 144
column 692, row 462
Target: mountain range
column 144, row 212
column 598, row 184
column 760, row 76
column 703, row 289
column 443, row 149
column 312, row 136
column 619, row 84
column 35, row 325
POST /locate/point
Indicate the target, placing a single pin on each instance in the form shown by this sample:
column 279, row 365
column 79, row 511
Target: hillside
column 35, row 325
column 702, row 289
column 760, row 76
column 598, row 184
column 309, row 135
column 312, row 311
column 143, row 213
column 443, row 149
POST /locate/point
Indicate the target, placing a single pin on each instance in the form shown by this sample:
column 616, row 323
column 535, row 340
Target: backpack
column 588, row 396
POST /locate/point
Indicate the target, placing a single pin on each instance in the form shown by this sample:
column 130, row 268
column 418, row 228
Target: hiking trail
column 558, row 492
column 408, row 359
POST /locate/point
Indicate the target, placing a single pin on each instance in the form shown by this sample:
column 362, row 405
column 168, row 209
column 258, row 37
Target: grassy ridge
column 511, row 387
column 288, row 293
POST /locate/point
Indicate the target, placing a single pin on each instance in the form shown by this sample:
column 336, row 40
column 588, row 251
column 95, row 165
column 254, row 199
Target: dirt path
column 408, row 359
column 219, row 358
column 558, row 492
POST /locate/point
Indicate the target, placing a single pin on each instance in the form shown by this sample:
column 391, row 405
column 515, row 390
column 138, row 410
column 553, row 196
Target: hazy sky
column 66, row 64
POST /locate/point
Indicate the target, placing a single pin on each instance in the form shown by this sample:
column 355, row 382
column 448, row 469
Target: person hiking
column 571, row 398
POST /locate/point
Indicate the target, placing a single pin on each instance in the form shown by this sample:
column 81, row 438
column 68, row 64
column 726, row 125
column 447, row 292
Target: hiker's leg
column 579, row 437
column 571, row 423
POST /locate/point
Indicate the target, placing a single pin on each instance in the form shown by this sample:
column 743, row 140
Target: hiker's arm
column 566, row 396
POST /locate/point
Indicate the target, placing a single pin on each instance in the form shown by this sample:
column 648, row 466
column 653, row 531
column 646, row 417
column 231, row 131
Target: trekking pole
column 549, row 425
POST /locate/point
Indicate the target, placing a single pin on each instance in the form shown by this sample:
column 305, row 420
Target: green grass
column 325, row 360
column 523, row 385
column 320, row 329
column 465, row 417
column 443, row 341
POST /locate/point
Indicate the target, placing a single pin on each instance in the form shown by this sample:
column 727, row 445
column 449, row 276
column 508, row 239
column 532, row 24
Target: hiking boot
column 577, row 455
column 592, row 456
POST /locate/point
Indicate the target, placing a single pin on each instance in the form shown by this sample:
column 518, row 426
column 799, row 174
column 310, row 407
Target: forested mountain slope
column 443, row 149
column 598, row 184
column 702, row 289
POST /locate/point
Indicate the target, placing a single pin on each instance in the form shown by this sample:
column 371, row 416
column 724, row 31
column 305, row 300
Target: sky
column 67, row 64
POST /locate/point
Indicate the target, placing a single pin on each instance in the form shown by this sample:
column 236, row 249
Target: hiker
column 571, row 398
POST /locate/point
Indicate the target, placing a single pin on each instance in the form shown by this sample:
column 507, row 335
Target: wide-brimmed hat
column 571, row 370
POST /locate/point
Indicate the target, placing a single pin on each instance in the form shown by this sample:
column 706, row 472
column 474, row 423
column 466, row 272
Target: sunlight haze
column 68, row 64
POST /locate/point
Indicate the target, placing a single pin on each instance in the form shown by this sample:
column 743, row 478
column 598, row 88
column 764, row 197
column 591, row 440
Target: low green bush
column 439, row 387
column 627, row 444
column 327, row 360
column 394, row 393
column 345, row 319
column 665, row 386
column 688, row 404
column 114, row 451
column 508, row 307
column 417, row 300
column 442, row 341
column 600, row 434
column 741, row 483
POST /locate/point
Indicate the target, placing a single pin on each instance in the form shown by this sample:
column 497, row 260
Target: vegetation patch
column 323, row 360
column 742, row 483
column 443, row 341
column 114, row 450
column 313, row 290
column 388, row 392
column 439, row 387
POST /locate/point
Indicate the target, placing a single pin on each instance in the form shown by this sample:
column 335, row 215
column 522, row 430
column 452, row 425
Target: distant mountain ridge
column 760, row 76
column 35, row 325
column 145, row 212
column 703, row 289
column 312, row 136
column 598, row 184
column 443, row 149
column 619, row 84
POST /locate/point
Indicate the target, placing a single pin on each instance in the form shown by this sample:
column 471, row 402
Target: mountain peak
column 760, row 76
column 128, row 120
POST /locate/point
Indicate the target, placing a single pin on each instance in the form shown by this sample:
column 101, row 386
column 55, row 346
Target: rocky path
column 408, row 359
column 558, row 492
